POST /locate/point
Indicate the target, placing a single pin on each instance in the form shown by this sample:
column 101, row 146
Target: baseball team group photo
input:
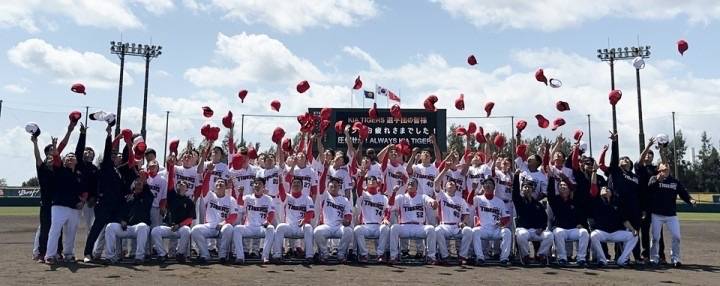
column 351, row 142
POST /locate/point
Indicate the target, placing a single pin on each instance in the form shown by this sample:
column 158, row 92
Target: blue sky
column 211, row 49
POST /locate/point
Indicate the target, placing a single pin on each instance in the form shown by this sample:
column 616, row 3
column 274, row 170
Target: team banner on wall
column 416, row 125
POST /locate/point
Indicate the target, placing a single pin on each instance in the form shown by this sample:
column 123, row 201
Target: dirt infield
column 700, row 249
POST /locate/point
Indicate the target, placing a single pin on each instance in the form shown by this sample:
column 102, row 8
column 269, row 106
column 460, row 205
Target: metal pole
column 144, row 114
column 87, row 109
column 242, row 127
column 512, row 129
column 120, row 88
column 167, row 119
column 675, row 147
column 641, row 135
column 612, row 87
column 589, row 136
column 1, row 108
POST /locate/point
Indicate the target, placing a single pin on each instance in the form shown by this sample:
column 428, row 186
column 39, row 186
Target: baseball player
column 532, row 222
column 491, row 222
column 664, row 190
column 178, row 219
column 609, row 224
column 221, row 213
column 532, row 169
column 158, row 188
column 374, row 219
column 299, row 211
column 299, row 169
column 133, row 223
column 335, row 220
column 453, row 210
column 47, row 184
column 412, row 224
column 68, row 199
column 272, row 173
column 569, row 220
column 394, row 170
column 259, row 213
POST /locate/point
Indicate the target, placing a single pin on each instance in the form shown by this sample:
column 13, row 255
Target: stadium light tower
column 139, row 50
column 638, row 54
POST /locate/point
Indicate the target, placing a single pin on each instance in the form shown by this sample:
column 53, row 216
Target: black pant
column 645, row 238
column 102, row 218
column 45, row 222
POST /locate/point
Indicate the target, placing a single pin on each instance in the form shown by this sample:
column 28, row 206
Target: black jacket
column 625, row 185
column 567, row 214
column 530, row 213
column 47, row 184
column 137, row 207
column 180, row 208
column 606, row 215
column 644, row 173
column 663, row 195
column 88, row 170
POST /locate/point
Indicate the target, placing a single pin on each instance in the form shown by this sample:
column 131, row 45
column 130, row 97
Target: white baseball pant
column 323, row 232
column 452, row 231
column 155, row 217
column 161, row 232
column 201, row 232
column 417, row 231
column 293, row 231
column 523, row 237
column 624, row 236
column 562, row 235
column 88, row 215
column 241, row 232
column 485, row 233
column 36, row 242
column 114, row 231
column 379, row 231
column 656, row 225
column 62, row 216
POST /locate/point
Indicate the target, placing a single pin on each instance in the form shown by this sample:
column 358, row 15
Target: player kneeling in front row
column 453, row 211
column 259, row 213
column 411, row 215
column 335, row 219
column 609, row 225
column 134, row 223
column 569, row 219
column 531, row 221
column 299, row 212
column 177, row 221
column 374, row 219
column 221, row 212
column 491, row 221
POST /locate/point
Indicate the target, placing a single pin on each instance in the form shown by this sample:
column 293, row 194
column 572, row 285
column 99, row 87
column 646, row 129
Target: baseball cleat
column 381, row 259
column 562, row 262
column 162, row 259
column 180, row 258
column 308, row 261
column 393, row 261
column 239, row 261
column 462, row 260
column 525, row 260
column 600, row 264
column 505, row 262
column 36, row 257
column 677, row 264
column 363, row 259
column 479, row 262
column 138, row 261
column 224, row 260
column 51, row 261
column 542, row 259
column 201, row 260
column 69, row 259
column 582, row 263
column 87, row 259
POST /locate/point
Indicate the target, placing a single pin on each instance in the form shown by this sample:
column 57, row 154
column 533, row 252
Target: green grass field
column 33, row 211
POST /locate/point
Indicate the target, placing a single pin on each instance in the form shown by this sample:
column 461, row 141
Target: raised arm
column 411, row 162
column 615, row 153
column 107, row 150
column 558, row 144
column 36, row 151
column 348, row 141
column 601, row 161
column 66, row 138
column 436, row 149
column 80, row 147
column 383, row 153
column 646, row 150
column 437, row 183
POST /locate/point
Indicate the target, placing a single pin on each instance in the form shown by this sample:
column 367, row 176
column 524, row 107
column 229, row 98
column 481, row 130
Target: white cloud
column 253, row 58
column 14, row 88
column 551, row 15
column 292, row 16
column 65, row 65
column 363, row 55
column 30, row 15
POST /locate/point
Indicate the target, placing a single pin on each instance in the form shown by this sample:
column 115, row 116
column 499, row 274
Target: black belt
column 371, row 223
column 506, row 201
column 409, row 223
column 450, row 223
